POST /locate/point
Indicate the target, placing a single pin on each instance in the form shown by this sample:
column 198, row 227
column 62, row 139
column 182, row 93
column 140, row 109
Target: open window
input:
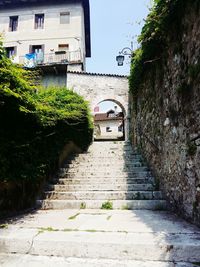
column 108, row 129
column 13, row 24
column 11, row 51
column 38, row 50
column 39, row 21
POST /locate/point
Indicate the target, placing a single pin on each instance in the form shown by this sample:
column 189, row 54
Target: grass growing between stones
column 108, row 205
column 83, row 206
column 47, row 229
column 109, row 217
column 74, row 216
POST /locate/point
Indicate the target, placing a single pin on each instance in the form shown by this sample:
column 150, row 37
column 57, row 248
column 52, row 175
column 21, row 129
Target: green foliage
column 74, row 216
column 36, row 123
column 164, row 15
column 108, row 205
column 83, row 206
column 59, row 104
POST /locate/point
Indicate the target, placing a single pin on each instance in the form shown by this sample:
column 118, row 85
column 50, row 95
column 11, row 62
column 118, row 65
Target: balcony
column 56, row 58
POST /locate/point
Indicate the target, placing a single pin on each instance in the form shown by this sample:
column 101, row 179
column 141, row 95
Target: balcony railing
column 61, row 57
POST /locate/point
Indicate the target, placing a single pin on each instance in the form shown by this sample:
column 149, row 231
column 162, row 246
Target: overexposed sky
column 114, row 24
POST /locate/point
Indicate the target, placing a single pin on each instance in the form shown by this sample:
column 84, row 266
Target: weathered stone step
column 21, row 260
column 103, row 180
column 110, row 174
column 109, row 154
column 97, row 204
column 87, row 157
column 98, row 195
column 109, row 245
column 106, row 164
column 100, row 187
column 104, row 171
column 106, row 245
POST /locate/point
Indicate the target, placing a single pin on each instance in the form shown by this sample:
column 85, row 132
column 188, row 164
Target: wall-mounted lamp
column 126, row 51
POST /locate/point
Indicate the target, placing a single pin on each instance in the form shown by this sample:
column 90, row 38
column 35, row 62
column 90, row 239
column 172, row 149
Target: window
column 108, row 130
column 36, row 49
column 39, row 52
column 13, row 24
column 11, row 51
column 65, row 18
column 39, row 21
column 63, row 47
column 111, row 115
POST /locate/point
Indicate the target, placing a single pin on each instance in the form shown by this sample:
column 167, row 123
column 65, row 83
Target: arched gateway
column 96, row 88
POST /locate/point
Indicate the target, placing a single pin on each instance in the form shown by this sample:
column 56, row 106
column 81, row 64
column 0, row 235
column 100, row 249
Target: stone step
column 106, row 168
column 87, row 157
column 106, row 164
column 98, row 180
column 105, row 152
column 100, row 187
column 99, row 195
column 24, row 260
column 104, row 171
column 97, row 204
column 110, row 147
column 109, row 175
column 108, row 154
column 103, row 245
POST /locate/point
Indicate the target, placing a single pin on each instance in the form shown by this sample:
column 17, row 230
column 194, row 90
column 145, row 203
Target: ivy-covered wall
column 165, row 98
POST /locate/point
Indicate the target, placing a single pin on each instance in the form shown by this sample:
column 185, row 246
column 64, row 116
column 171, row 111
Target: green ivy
column 36, row 124
column 164, row 15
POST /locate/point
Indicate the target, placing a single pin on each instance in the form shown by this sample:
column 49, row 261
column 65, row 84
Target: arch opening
column 109, row 120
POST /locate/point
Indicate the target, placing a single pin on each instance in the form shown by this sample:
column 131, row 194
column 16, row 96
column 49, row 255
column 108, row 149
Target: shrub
column 36, row 123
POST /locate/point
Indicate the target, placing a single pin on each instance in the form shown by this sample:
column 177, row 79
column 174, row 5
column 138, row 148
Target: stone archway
column 96, row 88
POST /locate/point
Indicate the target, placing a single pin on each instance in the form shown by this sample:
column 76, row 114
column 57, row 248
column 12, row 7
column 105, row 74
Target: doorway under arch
column 109, row 120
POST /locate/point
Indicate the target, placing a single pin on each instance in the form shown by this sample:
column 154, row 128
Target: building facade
column 109, row 125
column 46, row 33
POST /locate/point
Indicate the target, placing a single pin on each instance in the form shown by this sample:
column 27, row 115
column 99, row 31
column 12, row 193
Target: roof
column 6, row 4
column 98, row 74
column 104, row 117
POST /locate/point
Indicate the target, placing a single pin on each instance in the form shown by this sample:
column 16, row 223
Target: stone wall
column 166, row 121
column 96, row 88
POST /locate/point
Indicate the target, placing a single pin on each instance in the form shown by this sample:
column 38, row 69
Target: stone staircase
column 109, row 174
column 76, row 232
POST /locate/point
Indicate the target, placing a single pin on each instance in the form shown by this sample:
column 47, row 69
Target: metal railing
column 61, row 57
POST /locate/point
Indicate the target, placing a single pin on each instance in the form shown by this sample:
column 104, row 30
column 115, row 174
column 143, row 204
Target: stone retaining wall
column 166, row 124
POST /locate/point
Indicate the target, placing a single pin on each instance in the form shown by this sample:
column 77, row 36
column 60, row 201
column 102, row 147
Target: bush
column 36, row 123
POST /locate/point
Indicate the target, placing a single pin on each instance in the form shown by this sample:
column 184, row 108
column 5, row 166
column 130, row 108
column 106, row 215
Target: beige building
column 46, row 33
column 109, row 125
